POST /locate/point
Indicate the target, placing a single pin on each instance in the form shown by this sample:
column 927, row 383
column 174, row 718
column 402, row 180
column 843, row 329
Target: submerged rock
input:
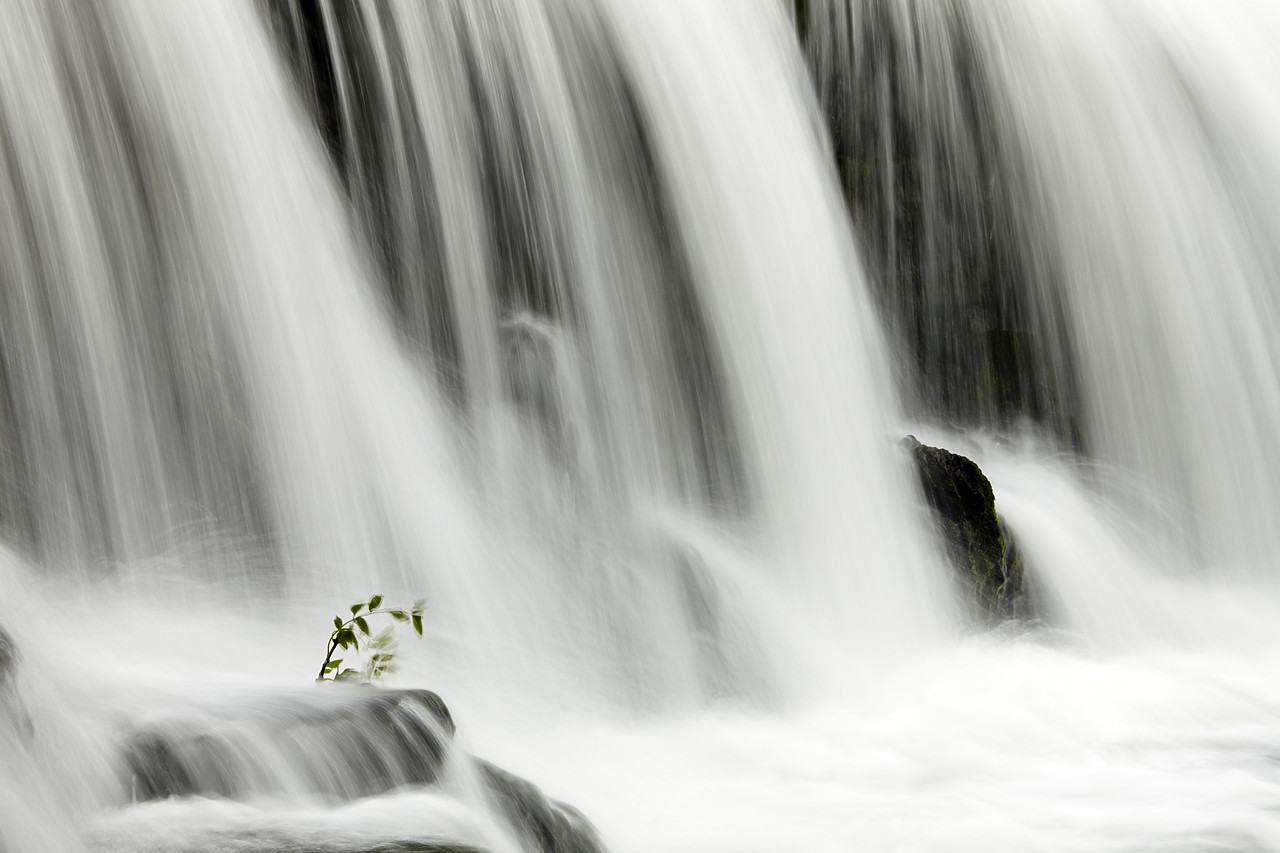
column 8, row 658
column 274, row 841
column 544, row 824
column 978, row 545
column 392, row 847
column 258, row 844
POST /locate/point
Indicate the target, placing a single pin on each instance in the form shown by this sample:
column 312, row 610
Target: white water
column 776, row 266
column 1147, row 721
column 1154, row 127
column 228, row 441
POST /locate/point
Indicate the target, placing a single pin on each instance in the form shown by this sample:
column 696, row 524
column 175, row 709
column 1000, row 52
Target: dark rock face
column 981, row 550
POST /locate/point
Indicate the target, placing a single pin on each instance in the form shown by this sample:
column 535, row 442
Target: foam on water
column 999, row 744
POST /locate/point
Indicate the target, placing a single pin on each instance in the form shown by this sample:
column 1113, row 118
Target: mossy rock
column 979, row 547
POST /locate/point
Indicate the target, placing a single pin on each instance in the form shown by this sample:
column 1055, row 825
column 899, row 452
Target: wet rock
column 8, row 658
column 545, row 824
column 406, row 847
column 13, row 711
column 979, row 547
column 156, row 767
column 276, row 842
column 349, row 745
column 259, row 846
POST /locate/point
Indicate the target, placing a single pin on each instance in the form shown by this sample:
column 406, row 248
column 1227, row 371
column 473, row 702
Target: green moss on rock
column 980, row 549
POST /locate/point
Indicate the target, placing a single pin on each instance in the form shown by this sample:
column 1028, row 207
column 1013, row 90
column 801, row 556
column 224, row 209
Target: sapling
column 380, row 648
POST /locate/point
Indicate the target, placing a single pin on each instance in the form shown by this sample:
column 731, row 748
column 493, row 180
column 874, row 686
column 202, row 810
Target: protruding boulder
column 980, row 548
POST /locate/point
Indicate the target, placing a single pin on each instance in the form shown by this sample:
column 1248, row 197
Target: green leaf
column 379, row 649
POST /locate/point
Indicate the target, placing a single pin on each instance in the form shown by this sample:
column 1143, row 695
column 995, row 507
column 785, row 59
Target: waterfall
column 1116, row 163
column 777, row 266
column 1170, row 283
column 195, row 352
column 598, row 323
column 941, row 193
column 609, row 384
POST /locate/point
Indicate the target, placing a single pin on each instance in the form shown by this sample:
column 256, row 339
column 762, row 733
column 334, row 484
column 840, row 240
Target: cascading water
column 552, row 311
column 612, row 360
column 1170, row 276
column 941, row 197
column 1135, row 145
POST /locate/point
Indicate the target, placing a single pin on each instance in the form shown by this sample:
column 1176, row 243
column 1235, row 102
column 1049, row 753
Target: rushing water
column 553, row 312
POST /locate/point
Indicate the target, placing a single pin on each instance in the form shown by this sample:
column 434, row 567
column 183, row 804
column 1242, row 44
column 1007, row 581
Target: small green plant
column 380, row 648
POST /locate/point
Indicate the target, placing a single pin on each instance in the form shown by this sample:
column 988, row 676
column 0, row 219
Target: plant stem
column 333, row 644
column 333, row 637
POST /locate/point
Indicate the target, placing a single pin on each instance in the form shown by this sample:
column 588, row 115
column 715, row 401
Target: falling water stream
column 554, row 313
